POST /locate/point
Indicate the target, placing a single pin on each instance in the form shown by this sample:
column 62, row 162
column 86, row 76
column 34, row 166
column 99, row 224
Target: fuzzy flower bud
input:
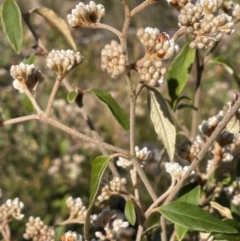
column 113, row 59
column 152, row 72
column 11, row 209
column 85, row 14
column 76, row 208
column 157, row 44
column 38, row 231
column 114, row 187
column 71, row 236
column 175, row 170
column 25, row 76
column 63, row 61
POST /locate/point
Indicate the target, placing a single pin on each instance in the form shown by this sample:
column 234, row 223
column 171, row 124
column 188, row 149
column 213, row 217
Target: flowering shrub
column 172, row 194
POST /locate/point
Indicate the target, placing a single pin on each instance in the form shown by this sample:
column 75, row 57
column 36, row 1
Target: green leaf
column 189, row 194
column 161, row 120
column 29, row 59
column 119, row 113
column 71, row 97
column 12, row 24
column 194, row 218
column 129, row 212
column 179, row 71
column 180, row 231
column 99, row 166
column 27, row 103
column 56, row 22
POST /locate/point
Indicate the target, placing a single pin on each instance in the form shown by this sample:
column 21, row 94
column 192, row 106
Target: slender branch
column 200, row 68
column 163, row 228
column 109, row 28
column 53, row 93
column 82, row 136
column 126, row 21
column 159, row 200
column 179, row 33
column 204, row 150
column 32, row 99
column 19, row 119
column 141, row 6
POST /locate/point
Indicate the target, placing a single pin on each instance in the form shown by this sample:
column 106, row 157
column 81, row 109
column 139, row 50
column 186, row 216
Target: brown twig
column 141, row 6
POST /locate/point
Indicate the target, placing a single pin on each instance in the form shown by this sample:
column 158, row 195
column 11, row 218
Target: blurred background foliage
column 42, row 165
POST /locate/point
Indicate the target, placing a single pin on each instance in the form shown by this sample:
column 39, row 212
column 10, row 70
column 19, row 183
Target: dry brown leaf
column 56, row 22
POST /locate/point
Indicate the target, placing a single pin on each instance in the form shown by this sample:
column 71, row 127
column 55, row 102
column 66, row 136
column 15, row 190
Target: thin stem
column 32, row 99
column 139, row 233
column 163, row 228
column 109, row 28
column 53, row 93
column 204, row 150
column 126, row 21
column 179, row 33
column 82, row 136
column 200, row 68
column 141, row 6
column 19, row 119
column 159, row 200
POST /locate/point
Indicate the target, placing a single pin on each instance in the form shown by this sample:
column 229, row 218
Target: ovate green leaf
column 161, row 120
column 179, row 71
column 71, row 97
column 12, row 24
column 194, row 218
column 129, row 212
column 99, row 166
column 119, row 113
column 56, row 22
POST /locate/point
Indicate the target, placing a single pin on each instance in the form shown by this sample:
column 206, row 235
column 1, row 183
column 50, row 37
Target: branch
column 204, row 150
column 141, row 6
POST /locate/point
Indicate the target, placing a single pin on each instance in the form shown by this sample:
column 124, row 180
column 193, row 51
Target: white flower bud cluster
column 158, row 45
column 152, row 73
column 85, row 14
column 194, row 150
column 38, row 231
column 63, row 61
column 175, row 170
column 210, row 6
column 113, row 59
column 71, row 236
column 200, row 21
column 236, row 199
column 207, row 127
column 143, row 155
column 190, row 14
column 109, row 234
column 76, row 208
column 236, row 13
column 119, row 223
column 25, row 75
column 11, row 209
column 114, row 187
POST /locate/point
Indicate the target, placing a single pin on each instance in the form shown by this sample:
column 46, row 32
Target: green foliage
column 129, row 212
column 119, row 113
column 193, row 217
column 178, row 73
column 12, row 24
column 161, row 120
